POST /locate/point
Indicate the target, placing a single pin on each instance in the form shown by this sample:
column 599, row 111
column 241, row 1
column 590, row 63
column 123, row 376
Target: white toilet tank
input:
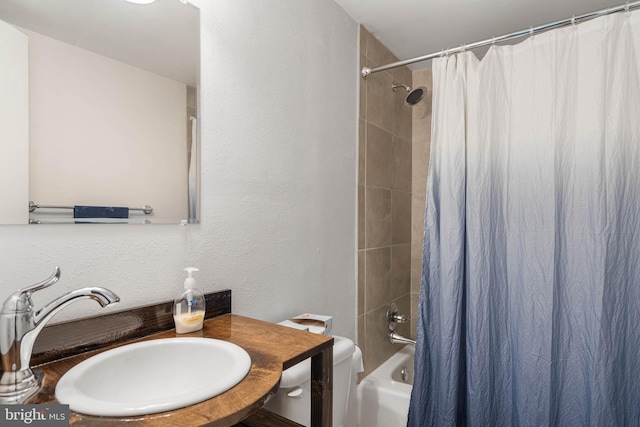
column 293, row 399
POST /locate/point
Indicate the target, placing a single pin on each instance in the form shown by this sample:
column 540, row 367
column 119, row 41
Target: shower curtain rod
column 366, row 71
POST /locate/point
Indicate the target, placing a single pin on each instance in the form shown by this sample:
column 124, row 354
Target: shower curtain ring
column 573, row 20
column 626, row 9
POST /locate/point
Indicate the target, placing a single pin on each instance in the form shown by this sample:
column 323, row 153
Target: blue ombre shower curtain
column 529, row 311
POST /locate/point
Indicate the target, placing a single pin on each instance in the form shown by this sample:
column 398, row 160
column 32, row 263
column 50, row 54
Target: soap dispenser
column 189, row 306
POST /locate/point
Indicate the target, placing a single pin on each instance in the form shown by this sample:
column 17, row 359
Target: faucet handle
column 393, row 317
column 20, row 300
column 42, row 285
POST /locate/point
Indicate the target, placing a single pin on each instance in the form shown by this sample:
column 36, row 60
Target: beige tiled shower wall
column 385, row 202
column 421, row 142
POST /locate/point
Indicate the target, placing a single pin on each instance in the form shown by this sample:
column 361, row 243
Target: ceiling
column 411, row 28
column 162, row 37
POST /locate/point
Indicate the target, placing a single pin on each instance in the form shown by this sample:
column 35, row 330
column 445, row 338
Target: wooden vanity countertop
column 272, row 348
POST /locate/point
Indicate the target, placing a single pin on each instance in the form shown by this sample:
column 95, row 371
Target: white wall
column 104, row 133
column 14, row 125
column 279, row 117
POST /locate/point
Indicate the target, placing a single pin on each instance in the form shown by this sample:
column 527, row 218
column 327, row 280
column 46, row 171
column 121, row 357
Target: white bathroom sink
column 153, row 376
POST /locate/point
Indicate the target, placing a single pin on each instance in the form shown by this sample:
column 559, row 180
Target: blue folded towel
column 100, row 212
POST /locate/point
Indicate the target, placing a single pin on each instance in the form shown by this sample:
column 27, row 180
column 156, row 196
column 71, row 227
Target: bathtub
column 384, row 394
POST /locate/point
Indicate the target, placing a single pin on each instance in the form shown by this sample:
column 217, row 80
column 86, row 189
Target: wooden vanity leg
column 322, row 389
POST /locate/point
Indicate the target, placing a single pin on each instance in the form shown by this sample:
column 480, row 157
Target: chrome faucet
column 19, row 328
column 395, row 338
column 393, row 319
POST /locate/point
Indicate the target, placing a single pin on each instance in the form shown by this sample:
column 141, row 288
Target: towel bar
column 33, row 206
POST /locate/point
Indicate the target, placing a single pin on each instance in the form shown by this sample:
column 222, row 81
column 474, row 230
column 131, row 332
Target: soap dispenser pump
column 189, row 306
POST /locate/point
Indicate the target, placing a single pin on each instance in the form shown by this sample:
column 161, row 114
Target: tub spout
column 19, row 328
column 395, row 338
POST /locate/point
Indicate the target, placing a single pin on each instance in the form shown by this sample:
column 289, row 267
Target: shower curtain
column 529, row 311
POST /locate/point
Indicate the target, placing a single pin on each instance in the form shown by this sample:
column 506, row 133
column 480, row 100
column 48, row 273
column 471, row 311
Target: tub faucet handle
column 394, row 317
column 400, row 318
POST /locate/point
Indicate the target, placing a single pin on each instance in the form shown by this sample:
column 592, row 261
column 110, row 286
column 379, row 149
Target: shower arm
column 396, row 85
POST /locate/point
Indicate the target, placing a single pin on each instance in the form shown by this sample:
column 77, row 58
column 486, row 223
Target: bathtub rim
column 385, row 371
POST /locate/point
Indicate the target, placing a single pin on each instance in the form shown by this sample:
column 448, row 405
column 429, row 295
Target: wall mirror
column 101, row 120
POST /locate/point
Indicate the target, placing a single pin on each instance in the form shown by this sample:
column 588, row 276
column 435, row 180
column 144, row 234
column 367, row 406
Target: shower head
column 413, row 96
